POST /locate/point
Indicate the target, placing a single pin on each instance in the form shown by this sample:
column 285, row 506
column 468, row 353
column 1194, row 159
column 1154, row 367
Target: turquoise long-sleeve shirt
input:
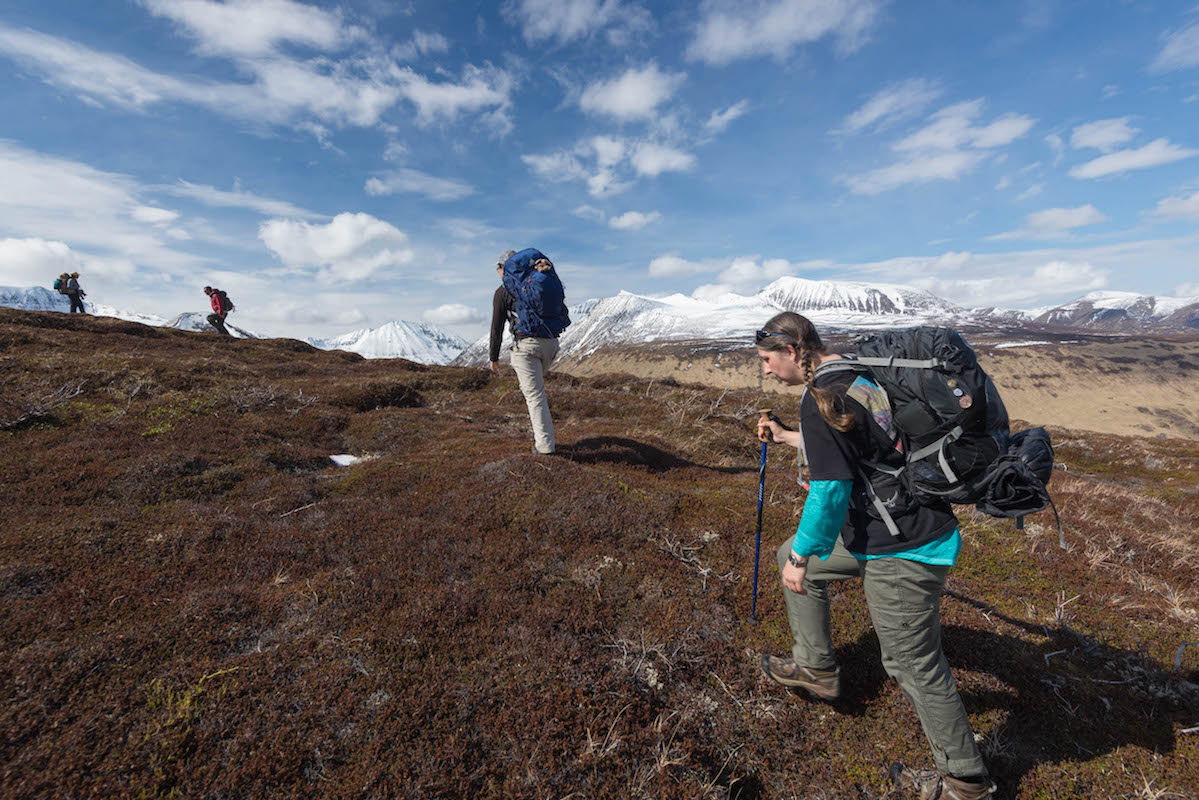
column 824, row 513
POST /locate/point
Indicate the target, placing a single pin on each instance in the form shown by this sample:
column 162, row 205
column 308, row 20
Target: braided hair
column 796, row 330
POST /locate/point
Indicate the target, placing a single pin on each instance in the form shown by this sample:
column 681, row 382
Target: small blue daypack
column 540, row 297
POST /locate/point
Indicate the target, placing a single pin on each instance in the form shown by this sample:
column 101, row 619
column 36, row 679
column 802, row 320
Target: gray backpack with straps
column 953, row 427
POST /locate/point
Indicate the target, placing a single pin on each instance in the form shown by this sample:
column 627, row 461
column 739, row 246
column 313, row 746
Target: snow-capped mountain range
column 1119, row 310
column 628, row 318
column 836, row 305
column 415, row 341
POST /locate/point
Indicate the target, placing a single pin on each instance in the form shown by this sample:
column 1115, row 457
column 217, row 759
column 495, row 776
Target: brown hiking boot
column 932, row 785
column 823, row 683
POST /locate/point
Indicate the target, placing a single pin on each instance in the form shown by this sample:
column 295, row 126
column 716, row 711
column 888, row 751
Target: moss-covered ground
column 196, row 602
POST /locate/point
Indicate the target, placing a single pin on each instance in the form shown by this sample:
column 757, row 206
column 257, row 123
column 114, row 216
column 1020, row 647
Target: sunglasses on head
column 760, row 335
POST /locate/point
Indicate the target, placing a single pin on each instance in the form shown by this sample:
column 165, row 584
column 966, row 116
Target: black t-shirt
column 836, row 456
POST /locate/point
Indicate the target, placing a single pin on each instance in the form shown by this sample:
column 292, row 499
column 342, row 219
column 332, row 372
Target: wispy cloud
column 896, row 102
column 954, row 127
column 949, row 145
column 634, row 220
column 590, row 213
column 1156, row 153
column 608, row 164
column 96, row 213
column 421, row 44
column 651, row 158
column 355, row 90
column 1180, row 50
column 235, row 198
column 729, row 30
column 349, row 248
column 563, row 21
column 634, row 94
column 1103, row 135
column 416, row 182
column 721, row 119
column 1184, row 207
column 936, row 167
column 1053, row 222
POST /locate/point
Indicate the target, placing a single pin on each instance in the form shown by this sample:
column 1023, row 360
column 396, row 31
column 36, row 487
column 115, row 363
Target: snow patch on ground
column 1018, row 344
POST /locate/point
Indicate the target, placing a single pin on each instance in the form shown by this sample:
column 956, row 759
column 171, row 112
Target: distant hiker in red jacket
column 220, row 309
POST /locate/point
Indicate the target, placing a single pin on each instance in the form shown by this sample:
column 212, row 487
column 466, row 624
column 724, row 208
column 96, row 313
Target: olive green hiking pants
column 905, row 606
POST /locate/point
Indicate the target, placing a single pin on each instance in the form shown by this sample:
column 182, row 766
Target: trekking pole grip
column 765, row 412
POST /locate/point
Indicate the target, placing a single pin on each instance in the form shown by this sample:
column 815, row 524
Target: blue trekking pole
column 753, row 609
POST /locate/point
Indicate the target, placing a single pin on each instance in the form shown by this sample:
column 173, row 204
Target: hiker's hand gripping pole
column 772, row 429
column 763, row 433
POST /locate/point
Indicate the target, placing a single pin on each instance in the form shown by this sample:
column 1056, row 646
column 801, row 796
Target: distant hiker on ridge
column 73, row 292
column 847, row 432
column 532, row 300
column 221, row 306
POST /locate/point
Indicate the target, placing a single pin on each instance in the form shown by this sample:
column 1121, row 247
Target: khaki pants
column 905, row 606
column 531, row 359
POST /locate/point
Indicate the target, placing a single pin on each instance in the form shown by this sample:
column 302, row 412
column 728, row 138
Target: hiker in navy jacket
column 217, row 318
column 533, row 351
column 846, row 430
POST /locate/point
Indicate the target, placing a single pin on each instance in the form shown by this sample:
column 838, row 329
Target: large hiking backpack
column 60, row 286
column 223, row 299
column 540, row 297
column 953, row 427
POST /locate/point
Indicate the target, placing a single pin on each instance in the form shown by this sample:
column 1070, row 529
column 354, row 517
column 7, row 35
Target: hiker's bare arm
column 776, row 433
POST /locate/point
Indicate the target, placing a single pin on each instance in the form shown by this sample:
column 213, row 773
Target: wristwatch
column 796, row 561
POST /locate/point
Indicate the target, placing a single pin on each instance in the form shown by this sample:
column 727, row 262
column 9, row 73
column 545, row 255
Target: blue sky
column 338, row 165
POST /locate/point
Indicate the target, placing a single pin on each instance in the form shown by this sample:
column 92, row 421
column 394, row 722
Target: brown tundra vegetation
column 196, row 602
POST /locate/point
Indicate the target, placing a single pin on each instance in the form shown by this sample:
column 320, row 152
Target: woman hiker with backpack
column 533, row 303
column 846, row 428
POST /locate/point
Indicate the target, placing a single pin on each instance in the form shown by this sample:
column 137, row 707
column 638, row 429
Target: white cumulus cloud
column 35, row 262
column 730, row 30
column 1156, row 153
column 254, row 27
column 634, row 94
column 634, row 220
column 349, row 248
column 452, row 314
